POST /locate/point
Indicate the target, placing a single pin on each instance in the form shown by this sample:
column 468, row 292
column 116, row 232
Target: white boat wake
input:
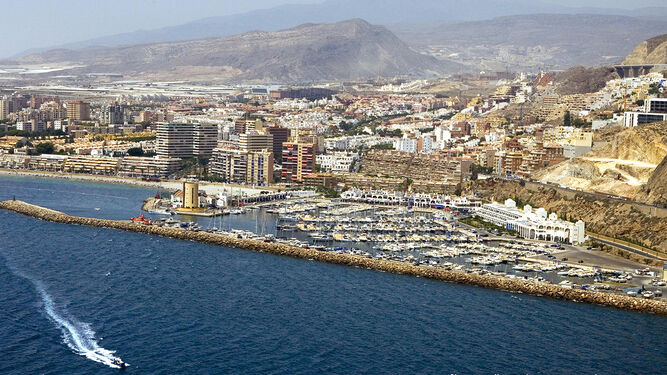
column 78, row 336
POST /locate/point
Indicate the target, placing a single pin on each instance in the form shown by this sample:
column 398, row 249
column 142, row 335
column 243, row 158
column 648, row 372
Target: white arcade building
column 532, row 224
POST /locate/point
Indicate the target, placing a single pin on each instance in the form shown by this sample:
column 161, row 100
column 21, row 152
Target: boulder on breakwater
column 486, row 281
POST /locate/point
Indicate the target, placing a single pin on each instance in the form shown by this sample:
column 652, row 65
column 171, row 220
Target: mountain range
column 536, row 40
column 350, row 49
column 384, row 12
column 421, row 38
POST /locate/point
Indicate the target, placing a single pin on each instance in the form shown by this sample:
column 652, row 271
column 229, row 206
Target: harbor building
column 532, row 224
column 398, row 198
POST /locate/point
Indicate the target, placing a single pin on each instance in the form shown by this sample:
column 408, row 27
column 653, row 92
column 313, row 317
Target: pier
column 486, row 281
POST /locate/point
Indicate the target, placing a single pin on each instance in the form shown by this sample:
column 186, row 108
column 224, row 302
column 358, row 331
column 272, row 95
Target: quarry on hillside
column 621, row 163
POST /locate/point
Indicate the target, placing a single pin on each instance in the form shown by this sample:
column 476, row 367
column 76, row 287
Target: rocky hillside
column 621, row 163
column 651, row 51
column 581, row 80
column 311, row 52
column 609, row 217
column 655, row 189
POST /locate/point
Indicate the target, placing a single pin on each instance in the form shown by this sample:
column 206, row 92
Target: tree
column 44, row 148
column 135, row 151
column 567, row 119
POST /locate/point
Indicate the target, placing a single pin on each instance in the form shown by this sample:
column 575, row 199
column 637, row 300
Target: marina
column 223, row 293
column 412, row 263
column 423, row 237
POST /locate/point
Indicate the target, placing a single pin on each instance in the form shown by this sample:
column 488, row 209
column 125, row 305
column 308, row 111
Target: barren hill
column 651, row 51
column 581, row 80
column 622, row 164
column 310, row 52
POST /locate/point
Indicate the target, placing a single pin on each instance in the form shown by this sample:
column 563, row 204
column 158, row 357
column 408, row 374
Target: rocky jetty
column 486, row 281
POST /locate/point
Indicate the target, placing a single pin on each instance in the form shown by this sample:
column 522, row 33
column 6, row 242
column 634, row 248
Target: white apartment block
column 336, row 161
column 406, row 145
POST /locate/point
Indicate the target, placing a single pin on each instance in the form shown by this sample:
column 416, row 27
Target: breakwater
column 487, row 281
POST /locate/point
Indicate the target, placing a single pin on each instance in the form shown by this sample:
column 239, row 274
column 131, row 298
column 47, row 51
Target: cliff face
column 655, row 190
column 621, row 163
column 645, row 143
column 609, row 217
column 651, row 51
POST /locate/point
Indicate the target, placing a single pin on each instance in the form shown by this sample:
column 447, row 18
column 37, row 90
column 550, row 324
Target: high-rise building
column 5, row 108
column 234, row 165
column 112, row 114
column 255, row 141
column 186, row 140
column 78, row 110
column 260, row 168
column 204, row 140
column 298, row 159
column 280, row 136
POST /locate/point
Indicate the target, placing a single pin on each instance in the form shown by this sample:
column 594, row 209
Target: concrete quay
column 486, row 281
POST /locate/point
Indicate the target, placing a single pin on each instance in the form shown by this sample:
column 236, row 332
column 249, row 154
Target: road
column 597, row 195
column 625, row 247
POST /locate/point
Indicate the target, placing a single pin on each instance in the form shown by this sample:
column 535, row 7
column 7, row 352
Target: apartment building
column 241, row 166
column 186, row 140
column 94, row 165
column 253, row 141
column 78, row 110
column 337, row 161
column 157, row 166
column 280, row 136
column 298, row 160
column 655, row 110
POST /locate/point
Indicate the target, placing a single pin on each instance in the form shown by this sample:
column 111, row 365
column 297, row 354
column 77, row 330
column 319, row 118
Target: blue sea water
column 72, row 298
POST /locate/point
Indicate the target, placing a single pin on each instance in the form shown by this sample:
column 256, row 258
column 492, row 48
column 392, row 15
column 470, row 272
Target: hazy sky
column 46, row 23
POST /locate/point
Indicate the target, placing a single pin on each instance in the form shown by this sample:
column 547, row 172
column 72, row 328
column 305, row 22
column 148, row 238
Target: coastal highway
column 625, row 247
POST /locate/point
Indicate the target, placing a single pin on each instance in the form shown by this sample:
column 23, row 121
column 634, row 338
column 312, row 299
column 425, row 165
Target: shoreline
column 486, row 281
column 209, row 187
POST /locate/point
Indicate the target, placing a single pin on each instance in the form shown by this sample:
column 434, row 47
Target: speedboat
column 121, row 365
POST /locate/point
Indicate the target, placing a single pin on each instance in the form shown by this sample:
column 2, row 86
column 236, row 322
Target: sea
column 73, row 299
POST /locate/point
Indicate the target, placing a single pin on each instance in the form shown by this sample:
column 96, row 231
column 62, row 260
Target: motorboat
column 140, row 219
column 121, row 365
